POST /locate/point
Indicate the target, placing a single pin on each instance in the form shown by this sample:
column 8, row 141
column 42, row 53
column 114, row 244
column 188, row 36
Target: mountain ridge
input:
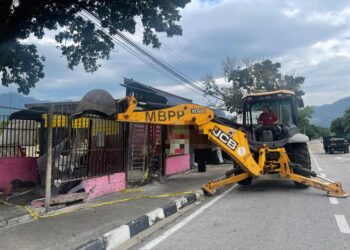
column 324, row 114
column 10, row 102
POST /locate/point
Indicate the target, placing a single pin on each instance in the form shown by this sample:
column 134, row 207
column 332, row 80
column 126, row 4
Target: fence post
column 48, row 159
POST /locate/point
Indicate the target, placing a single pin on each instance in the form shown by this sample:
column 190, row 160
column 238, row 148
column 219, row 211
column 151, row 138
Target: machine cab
column 270, row 117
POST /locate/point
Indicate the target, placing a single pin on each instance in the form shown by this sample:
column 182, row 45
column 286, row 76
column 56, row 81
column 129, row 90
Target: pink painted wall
column 177, row 164
column 178, row 140
column 21, row 168
column 99, row 186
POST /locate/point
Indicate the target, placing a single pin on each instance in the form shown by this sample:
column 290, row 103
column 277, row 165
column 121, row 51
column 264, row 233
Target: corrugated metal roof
column 147, row 93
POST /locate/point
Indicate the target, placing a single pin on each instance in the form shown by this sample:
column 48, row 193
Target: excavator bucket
column 337, row 191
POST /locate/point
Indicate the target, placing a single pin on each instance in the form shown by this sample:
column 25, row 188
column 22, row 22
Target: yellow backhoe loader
column 234, row 142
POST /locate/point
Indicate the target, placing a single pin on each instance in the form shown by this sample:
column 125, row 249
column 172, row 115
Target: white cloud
column 329, row 17
column 45, row 41
column 325, row 65
column 291, row 12
column 310, row 37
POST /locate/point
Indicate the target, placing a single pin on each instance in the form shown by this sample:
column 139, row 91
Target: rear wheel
column 346, row 150
column 298, row 153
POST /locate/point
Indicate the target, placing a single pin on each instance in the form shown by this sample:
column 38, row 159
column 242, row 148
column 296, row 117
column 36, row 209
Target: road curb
column 120, row 235
column 14, row 220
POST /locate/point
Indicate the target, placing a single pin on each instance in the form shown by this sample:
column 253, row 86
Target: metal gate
column 85, row 146
column 19, row 137
column 144, row 152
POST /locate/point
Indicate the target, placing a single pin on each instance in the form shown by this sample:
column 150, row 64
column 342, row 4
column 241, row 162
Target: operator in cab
column 268, row 119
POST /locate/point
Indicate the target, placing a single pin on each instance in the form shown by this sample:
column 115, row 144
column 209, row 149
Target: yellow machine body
column 233, row 141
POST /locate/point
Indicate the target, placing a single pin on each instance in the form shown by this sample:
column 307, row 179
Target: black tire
column 245, row 182
column 298, row 153
column 346, row 150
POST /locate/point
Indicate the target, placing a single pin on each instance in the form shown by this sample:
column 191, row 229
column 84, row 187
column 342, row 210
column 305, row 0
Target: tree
column 341, row 125
column 337, row 126
column 322, row 131
column 247, row 76
column 346, row 122
column 311, row 130
column 304, row 116
column 79, row 39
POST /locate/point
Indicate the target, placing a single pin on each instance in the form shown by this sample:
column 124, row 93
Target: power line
column 135, row 52
column 183, row 60
column 156, row 60
column 152, row 60
column 180, row 59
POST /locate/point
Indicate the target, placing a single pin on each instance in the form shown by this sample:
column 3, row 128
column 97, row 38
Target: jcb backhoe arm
column 234, row 142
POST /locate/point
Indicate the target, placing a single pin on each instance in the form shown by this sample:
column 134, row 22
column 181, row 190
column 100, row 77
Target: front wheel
column 298, row 153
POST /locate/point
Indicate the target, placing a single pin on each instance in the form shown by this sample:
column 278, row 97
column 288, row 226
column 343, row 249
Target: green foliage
column 20, row 64
column 346, row 121
column 79, row 40
column 311, row 133
column 305, row 127
column 322, row 131
column 248, row 77
column 341, row 125
column 337, row 126
column 304, row 116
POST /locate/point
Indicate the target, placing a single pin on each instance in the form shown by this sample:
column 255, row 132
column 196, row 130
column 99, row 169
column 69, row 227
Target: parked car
column 335, row 144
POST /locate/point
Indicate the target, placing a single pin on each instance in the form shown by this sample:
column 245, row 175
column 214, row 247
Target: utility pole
column 48, row 176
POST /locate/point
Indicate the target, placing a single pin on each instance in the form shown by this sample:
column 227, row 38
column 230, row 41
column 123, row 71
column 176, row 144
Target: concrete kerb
column 25, row 217
column 15, row 220
column 118, row 236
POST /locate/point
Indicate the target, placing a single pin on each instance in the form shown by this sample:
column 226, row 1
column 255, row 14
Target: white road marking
column 182, row 223
column 342, row 224
column 323, row 175
column 333, row 201
column 318, row 167
column 339, row 158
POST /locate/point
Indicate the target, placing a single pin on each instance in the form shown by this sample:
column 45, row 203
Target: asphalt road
column 270, row 214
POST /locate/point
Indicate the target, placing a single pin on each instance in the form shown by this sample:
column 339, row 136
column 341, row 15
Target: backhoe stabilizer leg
column 333, row 189
column 211, row 186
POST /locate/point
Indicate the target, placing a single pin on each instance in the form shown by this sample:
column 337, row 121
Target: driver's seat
column 267, row 134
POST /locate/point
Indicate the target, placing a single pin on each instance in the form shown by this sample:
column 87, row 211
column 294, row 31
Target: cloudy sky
column 311, row 38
